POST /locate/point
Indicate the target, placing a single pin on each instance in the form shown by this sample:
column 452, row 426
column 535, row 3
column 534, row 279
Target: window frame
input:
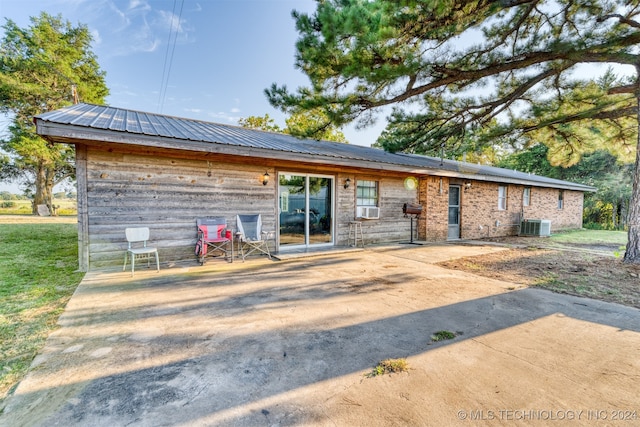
column 526, row 196
column 502, row 197
column 367, row 200
column 560, row 199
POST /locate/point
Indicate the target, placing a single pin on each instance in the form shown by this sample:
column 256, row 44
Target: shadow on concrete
column 224, row 347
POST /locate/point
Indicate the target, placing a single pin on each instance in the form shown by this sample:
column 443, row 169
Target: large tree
column 303, row 124
column 43, row 67
column 495, row 69
column 611, row 175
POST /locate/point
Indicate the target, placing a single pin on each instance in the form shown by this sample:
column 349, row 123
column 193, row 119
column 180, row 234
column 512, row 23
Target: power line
column 168, row 58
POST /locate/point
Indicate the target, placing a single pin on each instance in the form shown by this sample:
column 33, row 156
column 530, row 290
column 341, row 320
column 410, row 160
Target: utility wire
column 168, row 58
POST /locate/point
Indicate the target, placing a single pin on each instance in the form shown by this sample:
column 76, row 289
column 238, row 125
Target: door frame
column 459, row 206
column 306, row 244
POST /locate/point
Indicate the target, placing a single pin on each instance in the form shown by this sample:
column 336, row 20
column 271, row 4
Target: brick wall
column 480, row 216
column 434, row 198
column 544, row 205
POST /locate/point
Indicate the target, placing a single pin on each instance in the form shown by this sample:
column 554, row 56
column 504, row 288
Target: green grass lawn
column 591, row 237
column 38, row 263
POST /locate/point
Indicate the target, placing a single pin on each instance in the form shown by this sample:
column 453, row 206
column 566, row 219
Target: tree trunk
column 632, row 254
column 44, row 188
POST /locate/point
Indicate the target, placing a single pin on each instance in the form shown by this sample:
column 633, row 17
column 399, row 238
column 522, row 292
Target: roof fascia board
column 503, row 180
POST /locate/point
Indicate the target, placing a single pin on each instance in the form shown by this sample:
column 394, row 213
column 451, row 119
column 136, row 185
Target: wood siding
column 392, row 226
column 167, row 194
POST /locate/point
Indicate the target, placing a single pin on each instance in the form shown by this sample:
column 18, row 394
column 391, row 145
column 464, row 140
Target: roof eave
column 68, row 133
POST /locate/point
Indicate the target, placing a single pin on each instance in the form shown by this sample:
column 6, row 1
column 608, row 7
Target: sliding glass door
column 305, row 210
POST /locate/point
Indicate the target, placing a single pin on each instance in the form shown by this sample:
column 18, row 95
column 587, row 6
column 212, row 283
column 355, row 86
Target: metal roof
column 185, row 131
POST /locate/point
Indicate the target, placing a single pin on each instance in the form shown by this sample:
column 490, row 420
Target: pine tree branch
column 593, row 114
column 632, row 88
column 621, row 19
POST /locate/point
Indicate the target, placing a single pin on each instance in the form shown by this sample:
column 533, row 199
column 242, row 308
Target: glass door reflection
column 306, row 210
column 320, row 210
column 292, row 198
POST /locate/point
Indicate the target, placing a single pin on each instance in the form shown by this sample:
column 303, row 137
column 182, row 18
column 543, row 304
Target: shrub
column 443, row 335
column 389, row 366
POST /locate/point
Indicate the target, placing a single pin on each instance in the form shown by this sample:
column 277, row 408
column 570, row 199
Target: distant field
column 23, row 207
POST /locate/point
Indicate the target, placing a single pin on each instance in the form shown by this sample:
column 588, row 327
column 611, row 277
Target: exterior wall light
column 467, row 185
column 347, row 183
column 265, row 178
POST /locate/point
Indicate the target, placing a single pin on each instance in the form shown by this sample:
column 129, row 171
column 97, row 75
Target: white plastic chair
column 136, row 236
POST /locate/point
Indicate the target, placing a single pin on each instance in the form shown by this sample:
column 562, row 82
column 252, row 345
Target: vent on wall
column 368, row 212
column 535, row 227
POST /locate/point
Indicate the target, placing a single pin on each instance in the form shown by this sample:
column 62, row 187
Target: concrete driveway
column 291, row 343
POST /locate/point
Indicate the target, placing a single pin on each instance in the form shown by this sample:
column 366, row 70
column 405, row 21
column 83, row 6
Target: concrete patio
column 291, row 343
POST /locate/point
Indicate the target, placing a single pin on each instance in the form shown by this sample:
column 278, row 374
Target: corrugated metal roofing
column 120, row 120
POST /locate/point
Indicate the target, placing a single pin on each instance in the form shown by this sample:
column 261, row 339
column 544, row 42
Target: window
column 560, row 199
column 367, row 193
column 502, row 197
column 526, row 196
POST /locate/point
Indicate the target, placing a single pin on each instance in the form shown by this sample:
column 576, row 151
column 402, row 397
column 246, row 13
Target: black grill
column 411, row 209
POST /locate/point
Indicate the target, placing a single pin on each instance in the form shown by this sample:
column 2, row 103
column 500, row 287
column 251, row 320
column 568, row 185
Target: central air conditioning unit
column 368, row 212
column 535, row 227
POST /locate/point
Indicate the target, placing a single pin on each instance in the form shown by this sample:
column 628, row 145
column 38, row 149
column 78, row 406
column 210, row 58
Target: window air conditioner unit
column 368, row 212
column 535, row 227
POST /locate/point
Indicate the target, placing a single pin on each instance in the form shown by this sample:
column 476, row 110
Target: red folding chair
column 214, row 239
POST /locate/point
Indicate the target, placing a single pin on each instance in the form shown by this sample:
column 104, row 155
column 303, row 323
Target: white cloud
column 223, row 116
column 97, row 40
column 169, row 21
column 139, row 5
column 136, row 26
column 122, row 17
column 235, row 110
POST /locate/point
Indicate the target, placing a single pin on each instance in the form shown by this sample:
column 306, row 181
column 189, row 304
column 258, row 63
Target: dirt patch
column 591, row 271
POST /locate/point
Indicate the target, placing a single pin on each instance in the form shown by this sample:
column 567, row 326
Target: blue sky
column 226, row 53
